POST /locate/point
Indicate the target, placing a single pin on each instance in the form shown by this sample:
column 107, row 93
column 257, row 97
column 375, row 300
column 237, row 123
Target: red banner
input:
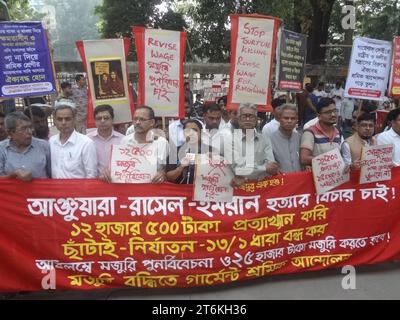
column 394, row 86
column 253, row 47
column 86, row 234
column 160, row 56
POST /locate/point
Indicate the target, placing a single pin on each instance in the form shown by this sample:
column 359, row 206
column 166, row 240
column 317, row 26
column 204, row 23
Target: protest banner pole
column 51, row 51
column 163, row 123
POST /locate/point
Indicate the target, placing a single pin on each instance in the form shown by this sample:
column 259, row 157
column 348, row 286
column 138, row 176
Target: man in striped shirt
column 323, row 136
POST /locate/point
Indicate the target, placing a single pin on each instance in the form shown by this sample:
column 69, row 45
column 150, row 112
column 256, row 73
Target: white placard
column 162, row 71
column 212, row 179
column 376, row 162
column 328, row 171
column 133, row 164
column 253, row 60
column 369, row 69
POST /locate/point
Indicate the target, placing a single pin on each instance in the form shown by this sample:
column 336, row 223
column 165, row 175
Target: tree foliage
column 71, row 26
column 21, row 10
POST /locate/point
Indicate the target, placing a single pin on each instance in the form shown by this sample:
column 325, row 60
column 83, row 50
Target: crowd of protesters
column 301, row 127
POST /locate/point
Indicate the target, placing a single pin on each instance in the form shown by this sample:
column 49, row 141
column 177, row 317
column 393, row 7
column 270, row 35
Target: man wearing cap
column 73, row 155
column 323, row 136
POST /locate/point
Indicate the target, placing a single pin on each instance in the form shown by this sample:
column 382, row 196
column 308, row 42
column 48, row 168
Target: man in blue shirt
column 23, row 156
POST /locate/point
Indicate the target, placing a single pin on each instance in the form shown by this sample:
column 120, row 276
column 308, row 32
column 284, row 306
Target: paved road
column 372, row 282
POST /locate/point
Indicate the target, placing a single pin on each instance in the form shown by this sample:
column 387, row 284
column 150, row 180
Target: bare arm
column 305, row 157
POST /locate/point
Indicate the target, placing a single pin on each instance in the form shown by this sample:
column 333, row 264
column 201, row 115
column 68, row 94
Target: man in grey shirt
column 23, row 156
column 286, row 141
column 252, row 153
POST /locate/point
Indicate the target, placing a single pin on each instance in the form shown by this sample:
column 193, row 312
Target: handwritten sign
column 394, row 87
column 292, row 57
column 212, row 179
column 133, row 164
column 160, row 58
column 369, row 69
column 328, row 171
column 24, row 60
column 376, row 163
column 253, row 48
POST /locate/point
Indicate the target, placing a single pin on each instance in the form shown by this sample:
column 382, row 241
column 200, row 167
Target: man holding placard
column 352, row 147
column 144, row 139
column 323, row 136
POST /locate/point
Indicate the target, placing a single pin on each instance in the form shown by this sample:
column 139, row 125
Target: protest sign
column 369, row 69
column 133, row 164
column 91, row 235
column 213, row 177
column 160, row 61
column 25, row 60
column 328, row 171
column 376, row 163
column 253, row 46
column 292, row 60
column 105, row 64
column 394, row 86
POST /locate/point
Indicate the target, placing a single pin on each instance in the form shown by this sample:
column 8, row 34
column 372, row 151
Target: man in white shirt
column 351, row 148
column 320, row 91
column 274, row 124
column 212, row 120
column 392, row 136
column 144, row 122
column 175, row 128
column 73, row 155
column 104, row 136
column 337, row 95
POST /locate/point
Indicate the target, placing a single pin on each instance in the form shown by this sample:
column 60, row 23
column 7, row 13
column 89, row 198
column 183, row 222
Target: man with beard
column 323, row 136
column 39, row 120
column 352, row 146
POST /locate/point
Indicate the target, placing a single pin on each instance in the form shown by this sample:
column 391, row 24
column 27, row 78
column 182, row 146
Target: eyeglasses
column 102, row 118
column 248, row 116
column 24, row 130
column 335, row 111
column 140, row 119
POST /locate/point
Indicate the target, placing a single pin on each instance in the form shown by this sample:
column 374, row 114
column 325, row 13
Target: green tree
column 21, row 10
column 209, row 34
column 118, row 17
column 71, row 27
column 171, row 20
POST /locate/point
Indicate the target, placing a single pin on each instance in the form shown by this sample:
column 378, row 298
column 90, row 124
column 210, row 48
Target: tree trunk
column 321, row 10
column 297, row 6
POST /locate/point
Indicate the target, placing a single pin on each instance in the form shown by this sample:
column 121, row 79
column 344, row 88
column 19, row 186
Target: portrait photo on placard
column 107, row 79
